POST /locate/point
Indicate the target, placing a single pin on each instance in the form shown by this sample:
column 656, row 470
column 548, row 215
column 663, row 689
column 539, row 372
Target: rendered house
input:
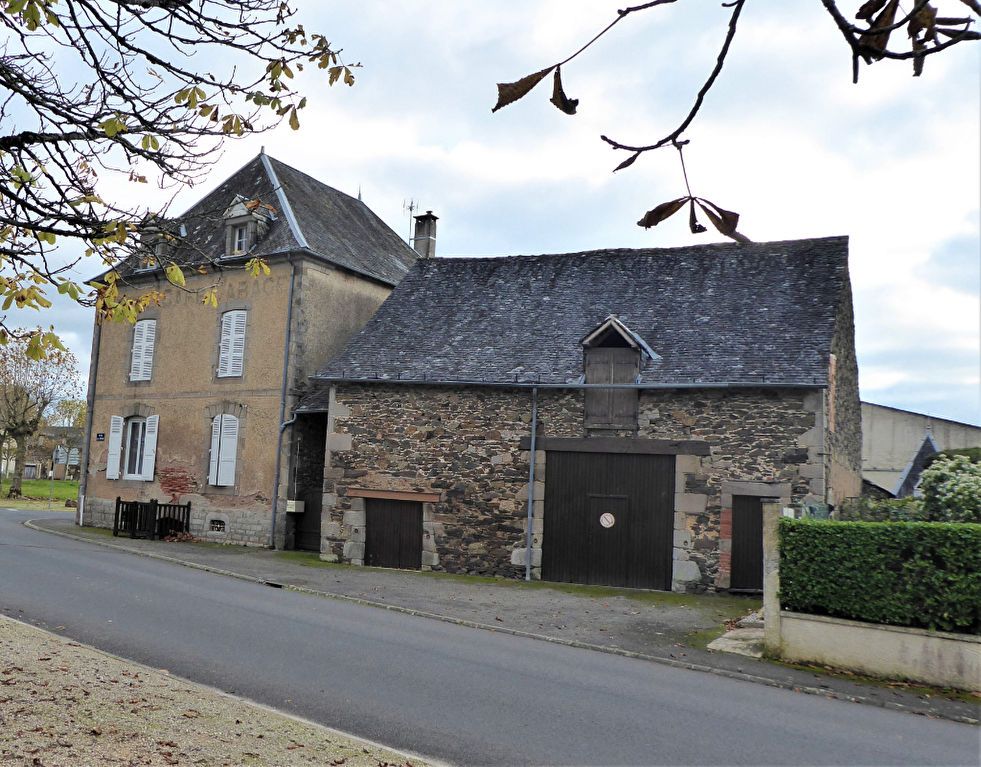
column 667, row 392
column 896, row 444
column 189, row 404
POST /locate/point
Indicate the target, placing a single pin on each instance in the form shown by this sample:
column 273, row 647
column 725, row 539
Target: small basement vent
column 217, row 525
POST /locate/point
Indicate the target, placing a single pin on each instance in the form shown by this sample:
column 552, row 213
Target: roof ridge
column 317, row 181
column 735, row 246
column 284, row 202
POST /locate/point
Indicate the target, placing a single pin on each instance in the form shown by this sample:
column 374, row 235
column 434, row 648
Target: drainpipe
column 283, row 423
column 83, row 478
column 531, row 481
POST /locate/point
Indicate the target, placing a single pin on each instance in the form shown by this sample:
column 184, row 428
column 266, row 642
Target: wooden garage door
column 393, row 533
column 747, row 544
column 609, row 519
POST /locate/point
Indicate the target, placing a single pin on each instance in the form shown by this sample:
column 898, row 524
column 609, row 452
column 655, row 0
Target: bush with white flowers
column 951, row 489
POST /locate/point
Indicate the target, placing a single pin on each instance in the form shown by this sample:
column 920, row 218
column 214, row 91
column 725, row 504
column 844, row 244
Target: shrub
column 866, row 509
column 972, row 453
column 924, row 574
column 951, row 489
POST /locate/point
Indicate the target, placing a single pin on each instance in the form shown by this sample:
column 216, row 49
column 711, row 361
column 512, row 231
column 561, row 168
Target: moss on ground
column 911, row 688
column 726, row 606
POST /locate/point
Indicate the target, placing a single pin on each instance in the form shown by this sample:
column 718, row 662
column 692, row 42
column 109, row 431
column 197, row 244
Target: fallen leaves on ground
column 64, row 705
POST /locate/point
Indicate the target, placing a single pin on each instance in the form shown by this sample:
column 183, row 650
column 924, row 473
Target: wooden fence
column 150, row 519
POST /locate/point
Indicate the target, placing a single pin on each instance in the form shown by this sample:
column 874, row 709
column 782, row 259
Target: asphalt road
column 449, row 692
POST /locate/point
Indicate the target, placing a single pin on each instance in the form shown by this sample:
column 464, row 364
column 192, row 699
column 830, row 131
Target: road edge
column 673, row 662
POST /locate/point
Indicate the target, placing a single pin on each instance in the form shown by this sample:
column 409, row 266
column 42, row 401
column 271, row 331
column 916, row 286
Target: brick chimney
column 424, row 240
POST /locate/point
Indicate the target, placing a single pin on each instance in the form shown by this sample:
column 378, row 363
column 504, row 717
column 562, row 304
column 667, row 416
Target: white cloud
column 784, row 138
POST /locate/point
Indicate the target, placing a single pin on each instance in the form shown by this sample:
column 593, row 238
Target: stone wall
column 463, row 445
column 845, row 427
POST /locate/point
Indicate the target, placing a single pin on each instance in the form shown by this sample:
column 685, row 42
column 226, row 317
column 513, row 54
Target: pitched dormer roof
column 744, row 314
column 612, row 324
column 306, row 216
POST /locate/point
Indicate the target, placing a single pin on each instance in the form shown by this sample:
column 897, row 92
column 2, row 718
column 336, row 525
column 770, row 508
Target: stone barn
column 609, row 417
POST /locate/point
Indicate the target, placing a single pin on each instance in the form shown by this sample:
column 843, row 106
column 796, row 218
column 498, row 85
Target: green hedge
column 923, row 574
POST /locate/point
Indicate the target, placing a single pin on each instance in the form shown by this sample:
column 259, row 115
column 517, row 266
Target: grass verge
column 727, row 606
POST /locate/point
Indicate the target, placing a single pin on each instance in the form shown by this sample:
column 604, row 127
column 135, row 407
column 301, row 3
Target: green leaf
column 174, row 275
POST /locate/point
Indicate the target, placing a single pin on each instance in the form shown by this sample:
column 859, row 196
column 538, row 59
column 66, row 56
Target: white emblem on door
column 607, row 520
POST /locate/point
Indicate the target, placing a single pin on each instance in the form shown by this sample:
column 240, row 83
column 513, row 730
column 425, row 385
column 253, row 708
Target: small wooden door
column 393, row 533
column 747, row 544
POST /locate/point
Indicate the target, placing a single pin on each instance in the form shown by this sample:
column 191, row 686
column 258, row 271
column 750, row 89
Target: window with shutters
column 611, row 408
column 132, row 447
column 141, row 358
column 231, row 346
column 224, row 449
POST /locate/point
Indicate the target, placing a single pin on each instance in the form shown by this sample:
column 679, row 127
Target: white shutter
column 215, row 449
column 149, row 338
column 115, row 446
column 227, row 451
column 237, row 361
column 150, row 446
column 136, row 361
column 141, row 362
column 225, row 345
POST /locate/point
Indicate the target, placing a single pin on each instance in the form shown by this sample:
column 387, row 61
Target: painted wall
column 892, row 437
column 329, row 305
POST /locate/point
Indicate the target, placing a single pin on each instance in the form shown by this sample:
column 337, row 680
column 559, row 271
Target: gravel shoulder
column 64, row 704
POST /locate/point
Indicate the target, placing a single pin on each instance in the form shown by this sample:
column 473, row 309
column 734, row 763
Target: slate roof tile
column 721, row 313
column 332, row 225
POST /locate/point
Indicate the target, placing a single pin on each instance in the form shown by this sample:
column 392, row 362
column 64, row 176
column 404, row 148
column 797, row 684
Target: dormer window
column 612, row 355
column 246, row 222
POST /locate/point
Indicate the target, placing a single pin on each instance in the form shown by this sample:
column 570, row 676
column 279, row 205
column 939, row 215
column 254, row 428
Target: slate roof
column 760, row 313
column 309, row 216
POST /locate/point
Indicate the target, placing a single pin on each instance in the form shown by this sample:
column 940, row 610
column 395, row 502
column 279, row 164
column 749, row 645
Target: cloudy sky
column 785, row 139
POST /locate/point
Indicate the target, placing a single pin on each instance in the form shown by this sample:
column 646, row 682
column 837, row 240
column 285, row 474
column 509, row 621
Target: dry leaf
column 559, row 98
column 508, row 93
column 661, row 212
column 724, row 220
column 873, row 44
column 628, row 162
column 869, row 9
column 693, row 225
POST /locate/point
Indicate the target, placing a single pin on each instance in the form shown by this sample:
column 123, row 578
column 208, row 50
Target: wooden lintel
column 619, row 445
column 393, row 495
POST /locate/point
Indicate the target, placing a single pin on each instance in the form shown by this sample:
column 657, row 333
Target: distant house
column 896, row 444
column 668, row 391
column 66, row 454
column 192, row 403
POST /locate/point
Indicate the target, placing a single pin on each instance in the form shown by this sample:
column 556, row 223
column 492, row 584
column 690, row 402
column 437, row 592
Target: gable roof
column 751, row 314
column 307, row 216
column 614, row 325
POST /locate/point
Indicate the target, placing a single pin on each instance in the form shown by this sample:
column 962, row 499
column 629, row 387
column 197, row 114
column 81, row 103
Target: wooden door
column 393, row 533
column 609, row 519
column 747, row 544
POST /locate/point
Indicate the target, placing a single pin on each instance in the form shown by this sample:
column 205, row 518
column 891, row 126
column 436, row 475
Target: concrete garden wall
column 895, row 652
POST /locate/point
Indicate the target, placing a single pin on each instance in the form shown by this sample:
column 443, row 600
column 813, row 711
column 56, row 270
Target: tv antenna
column 410, row 207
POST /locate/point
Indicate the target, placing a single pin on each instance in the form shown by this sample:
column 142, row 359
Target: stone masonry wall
column 845, row 428
column 463, row 445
